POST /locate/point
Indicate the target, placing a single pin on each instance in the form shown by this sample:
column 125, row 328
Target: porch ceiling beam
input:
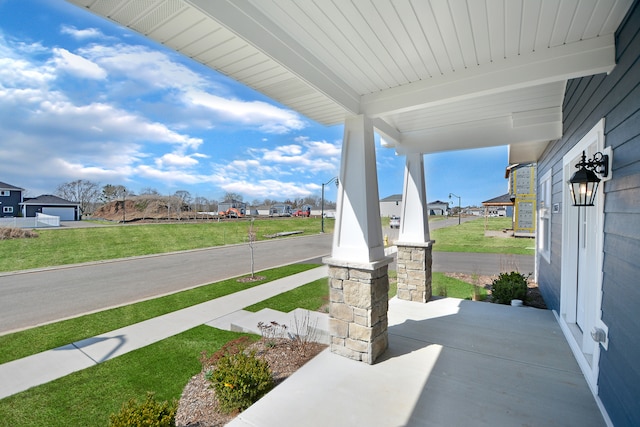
column 564, row 62
column 246, row 21
column 390, row 134
column 484, row 133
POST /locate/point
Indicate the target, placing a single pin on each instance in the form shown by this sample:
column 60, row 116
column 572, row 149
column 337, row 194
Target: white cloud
column 266, row 117
column 87, row 33
column 173, row 160
column 144, row 66
column 77, row 65
column 270, row 188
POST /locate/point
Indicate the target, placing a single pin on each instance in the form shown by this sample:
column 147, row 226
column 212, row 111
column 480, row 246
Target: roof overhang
column 434, row 76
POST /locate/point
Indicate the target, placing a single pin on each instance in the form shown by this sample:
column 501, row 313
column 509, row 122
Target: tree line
column 90, row 195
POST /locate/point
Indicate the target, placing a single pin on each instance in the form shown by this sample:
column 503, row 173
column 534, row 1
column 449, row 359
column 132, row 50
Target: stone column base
column 414, row 271
column 358, row 309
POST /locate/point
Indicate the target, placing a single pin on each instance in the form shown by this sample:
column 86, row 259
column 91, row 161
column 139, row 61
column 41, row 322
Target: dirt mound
column 145, row 208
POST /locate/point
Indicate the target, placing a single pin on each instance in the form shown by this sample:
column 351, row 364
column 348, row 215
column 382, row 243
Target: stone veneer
column 358, row 309
column 414, row 271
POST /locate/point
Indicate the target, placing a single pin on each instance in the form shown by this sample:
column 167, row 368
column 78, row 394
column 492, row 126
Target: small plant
column 305, row 333
column 442, row 291
column 239, row 380
column 7, row 233
column 149, row 413
column 509, row 286
column 271, row 332
column 232, row 347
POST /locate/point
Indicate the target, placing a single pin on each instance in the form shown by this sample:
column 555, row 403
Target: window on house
column 544, row 216
column 5, row 193
column 7, row 209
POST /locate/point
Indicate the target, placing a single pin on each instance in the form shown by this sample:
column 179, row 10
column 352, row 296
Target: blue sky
column 83, row 98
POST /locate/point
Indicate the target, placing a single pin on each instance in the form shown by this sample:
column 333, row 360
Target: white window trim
column 5, row 193
column 544, row 213
column 7, row 209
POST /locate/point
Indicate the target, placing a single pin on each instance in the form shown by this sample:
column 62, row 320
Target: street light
column 335, row 178
column 459, row 209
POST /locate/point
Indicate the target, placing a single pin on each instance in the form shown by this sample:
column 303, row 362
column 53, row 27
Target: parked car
column 394, row 221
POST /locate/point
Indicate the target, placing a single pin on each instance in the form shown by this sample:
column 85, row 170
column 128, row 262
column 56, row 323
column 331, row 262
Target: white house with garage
column 51, row 205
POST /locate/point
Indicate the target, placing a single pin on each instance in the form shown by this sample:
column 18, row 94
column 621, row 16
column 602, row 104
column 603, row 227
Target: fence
column 40, row 221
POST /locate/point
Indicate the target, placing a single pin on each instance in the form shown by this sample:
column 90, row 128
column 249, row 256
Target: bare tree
column 112, row 192
column 252, row 238
column 184, row 196
column 80, row 191
column 148, row 191
column 229, row 197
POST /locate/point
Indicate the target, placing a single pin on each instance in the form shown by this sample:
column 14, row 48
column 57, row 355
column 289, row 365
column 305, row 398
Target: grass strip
column 469, row 237
column 311, row 296
column 443, row 285
column 31, row 341
column 88, row 397
column 78, row 245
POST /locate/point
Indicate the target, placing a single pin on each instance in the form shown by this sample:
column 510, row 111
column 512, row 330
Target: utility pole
column 335, row 178
column 459, row 208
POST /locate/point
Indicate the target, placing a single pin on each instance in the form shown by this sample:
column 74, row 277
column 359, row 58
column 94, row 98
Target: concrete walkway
column 22, row 374
column 450, row 363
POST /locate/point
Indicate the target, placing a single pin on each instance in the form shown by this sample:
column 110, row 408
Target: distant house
column 10, row 199
column 499, row 206
column 280, row 209
column 238, row 205
column 51, row 205
column 522, row 189
column 391, row 206
column 438, row 207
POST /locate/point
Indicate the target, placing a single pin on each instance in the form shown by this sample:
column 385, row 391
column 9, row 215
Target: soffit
column 429, row 72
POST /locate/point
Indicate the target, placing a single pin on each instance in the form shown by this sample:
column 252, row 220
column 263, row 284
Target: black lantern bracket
column 599, row 163
column 583, row 185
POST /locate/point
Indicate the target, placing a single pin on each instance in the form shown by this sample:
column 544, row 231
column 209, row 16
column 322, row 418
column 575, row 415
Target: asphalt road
column 30, row 298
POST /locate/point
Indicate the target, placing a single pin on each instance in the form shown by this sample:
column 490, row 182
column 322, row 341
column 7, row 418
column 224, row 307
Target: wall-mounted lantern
column 584, row 183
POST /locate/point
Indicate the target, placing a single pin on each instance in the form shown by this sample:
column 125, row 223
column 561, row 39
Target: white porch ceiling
column 436, row 75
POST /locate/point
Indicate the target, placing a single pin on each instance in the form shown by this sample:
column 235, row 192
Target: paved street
column 35, row 297
column 31, row 298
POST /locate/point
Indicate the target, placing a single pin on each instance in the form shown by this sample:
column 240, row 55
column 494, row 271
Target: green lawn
column 311, row 296
column 77, row 245
column 443, row 285
column 87, row 398
column 31, row 341
column 469, row 237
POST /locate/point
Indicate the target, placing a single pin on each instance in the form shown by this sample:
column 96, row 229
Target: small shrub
column 149, row 413
column 509, row 286
column 239, row 380
column 7, row 233
column 232, row 347
column 271, row 332
column 305, row 333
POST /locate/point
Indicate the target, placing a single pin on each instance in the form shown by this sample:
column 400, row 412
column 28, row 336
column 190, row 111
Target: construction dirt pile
column 146, row 208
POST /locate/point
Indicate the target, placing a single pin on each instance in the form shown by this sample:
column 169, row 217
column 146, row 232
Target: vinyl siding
column 617, row 98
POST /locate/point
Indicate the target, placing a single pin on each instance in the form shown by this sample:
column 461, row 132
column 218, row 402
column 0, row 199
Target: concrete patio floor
column 450, row 363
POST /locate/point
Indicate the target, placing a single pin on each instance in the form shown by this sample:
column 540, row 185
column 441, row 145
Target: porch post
column 414, row 244
column 359, row 282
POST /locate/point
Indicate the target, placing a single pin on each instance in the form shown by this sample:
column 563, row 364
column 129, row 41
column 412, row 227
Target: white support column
column 358, row 277
column 358, row 231
column 414, row 244
column 414, row 225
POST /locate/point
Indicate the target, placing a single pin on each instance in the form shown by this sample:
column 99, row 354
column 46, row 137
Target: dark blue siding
column 617, row 98
column 14, row 199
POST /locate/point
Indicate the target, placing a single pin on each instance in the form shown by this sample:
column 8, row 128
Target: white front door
column 582, row 254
